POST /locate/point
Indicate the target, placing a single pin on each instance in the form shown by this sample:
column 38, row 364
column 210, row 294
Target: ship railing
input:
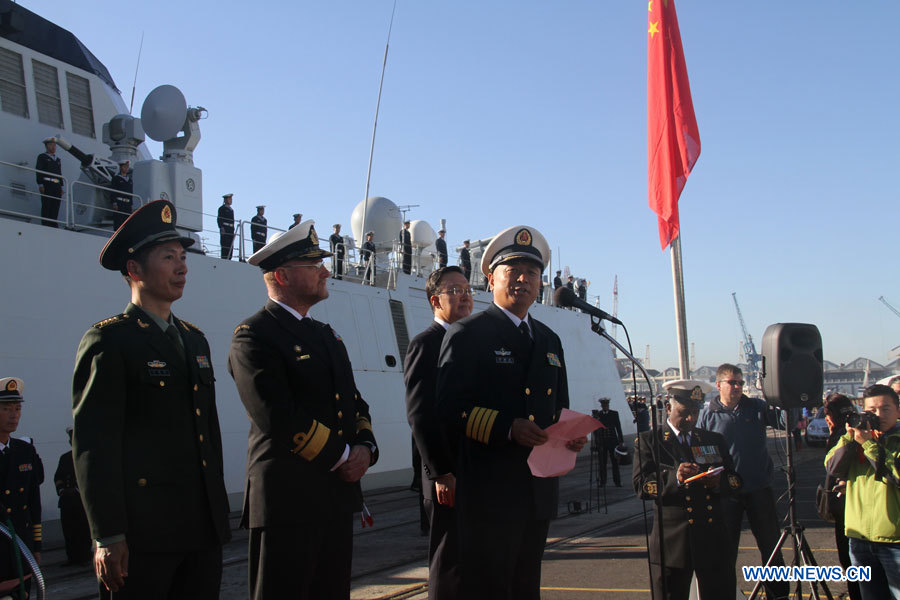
column 245, row 241
column 106, row 219
column 24, row 198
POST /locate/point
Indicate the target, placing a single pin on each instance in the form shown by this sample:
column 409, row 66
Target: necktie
column 526, row 334
column 173, row 334
column 686, row 443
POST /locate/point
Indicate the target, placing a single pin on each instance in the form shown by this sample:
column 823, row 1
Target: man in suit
column 501, row 381
column 21, row 474
column 146, row 440
column 695, row 540
column 122, row 199
column 258, row 229
column 50, row 182
column 557, row 281
column 368, row 257
column 440, row 245
column 465, row 260
column 606, row 439
column 406, row 247
column 337, row 250
column 311, row 437
column 225, row 221
column 76, row 531
column 450, row 298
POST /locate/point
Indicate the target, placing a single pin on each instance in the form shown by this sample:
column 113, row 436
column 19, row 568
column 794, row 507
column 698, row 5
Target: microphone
column 563, row 296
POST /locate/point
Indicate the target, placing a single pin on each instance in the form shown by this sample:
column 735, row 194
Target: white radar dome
column 163, row 113
column 421, row 234
column 382, row 217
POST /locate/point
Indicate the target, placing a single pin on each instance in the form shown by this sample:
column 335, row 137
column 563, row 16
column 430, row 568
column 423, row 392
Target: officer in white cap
column 50, row 182
column 311, row 437
column 501, row 382
column 21, row 474
column 696, row 540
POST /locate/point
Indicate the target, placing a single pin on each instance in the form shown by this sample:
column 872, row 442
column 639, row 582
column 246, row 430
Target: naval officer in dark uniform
column 606, row 440
column 406, row 247
column 337, row 250
column 368, row 257
column 146, row 443
column 465, row 260
column 501, row 381
column 225, row 221
column 311, row 437
column 50, row 182
column 76, row 531
column 258, row 229
column 440, row 245
column 696, row 539
column 21, row 474
column 450, row 298
column 122, row 200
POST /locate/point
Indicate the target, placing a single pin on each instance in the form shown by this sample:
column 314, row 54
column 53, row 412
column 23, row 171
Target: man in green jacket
column 867, row 457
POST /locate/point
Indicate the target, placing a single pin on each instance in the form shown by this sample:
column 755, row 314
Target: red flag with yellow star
column 673, row 140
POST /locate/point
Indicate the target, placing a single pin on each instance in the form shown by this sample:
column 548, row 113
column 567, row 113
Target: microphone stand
column 597, row 327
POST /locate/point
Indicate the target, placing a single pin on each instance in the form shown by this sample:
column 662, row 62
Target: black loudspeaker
column 793, row 367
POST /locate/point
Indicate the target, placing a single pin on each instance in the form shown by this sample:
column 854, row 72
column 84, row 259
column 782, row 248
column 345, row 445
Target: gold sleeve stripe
column 363, row 424
column 489, row 426
column 474, row 416
column 310, row 443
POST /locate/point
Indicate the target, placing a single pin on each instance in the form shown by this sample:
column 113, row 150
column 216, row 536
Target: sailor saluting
column 146, row 440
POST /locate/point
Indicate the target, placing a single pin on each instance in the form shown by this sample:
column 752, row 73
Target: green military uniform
column 146, row 440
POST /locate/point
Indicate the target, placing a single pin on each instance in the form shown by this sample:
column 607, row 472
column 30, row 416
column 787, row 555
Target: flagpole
column 680, row 311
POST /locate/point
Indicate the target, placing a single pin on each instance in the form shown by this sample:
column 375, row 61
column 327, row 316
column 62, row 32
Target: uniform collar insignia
column 502, row 352
column 142, row 325
column 156, row 364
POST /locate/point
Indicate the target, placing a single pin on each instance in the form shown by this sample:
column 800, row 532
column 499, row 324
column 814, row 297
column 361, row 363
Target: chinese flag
column 673, row 140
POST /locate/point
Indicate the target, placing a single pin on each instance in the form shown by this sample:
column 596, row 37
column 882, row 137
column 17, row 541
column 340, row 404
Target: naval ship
column 51, row 85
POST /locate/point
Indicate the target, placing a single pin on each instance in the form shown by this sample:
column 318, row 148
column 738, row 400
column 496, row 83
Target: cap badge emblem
column 523, row 237
column 697, row 394
column 12, row 386
column 312, row 235
column 166, row 214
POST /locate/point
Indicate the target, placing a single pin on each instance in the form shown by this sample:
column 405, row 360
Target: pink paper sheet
column 553, row 459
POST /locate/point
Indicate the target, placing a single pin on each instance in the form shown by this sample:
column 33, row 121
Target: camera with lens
column 864, row 420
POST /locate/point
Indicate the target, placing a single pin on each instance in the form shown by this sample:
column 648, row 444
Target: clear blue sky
column 498, row 113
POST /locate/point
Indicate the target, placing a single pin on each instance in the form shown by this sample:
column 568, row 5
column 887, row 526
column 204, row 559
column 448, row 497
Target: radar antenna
column 136, row 66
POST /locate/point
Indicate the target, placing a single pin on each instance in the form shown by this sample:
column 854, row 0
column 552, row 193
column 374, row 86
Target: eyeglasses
column 317, row 265
column 458, row 291
column 733, row 382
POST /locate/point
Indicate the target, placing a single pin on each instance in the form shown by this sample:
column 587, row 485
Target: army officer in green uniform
column 146, row 443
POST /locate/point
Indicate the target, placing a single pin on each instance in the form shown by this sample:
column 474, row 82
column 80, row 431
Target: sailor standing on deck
column 450, row 298
column 501, row 382
column 337, row 249
column 696, row 539
column 311, row 437
column 368, row 257
column 440, row 245
column 50, row 182
column 258, row 229
column 225, row 221
column 21, row 474
column 406, row 248
column 122, row 200
column 465, row 260
column 146, row 439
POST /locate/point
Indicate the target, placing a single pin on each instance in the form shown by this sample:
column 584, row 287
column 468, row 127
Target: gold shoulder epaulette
column 122, row 318
column 239, row 327
column 191, row 326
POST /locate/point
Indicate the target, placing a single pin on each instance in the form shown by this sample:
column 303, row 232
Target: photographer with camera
column 867, row 457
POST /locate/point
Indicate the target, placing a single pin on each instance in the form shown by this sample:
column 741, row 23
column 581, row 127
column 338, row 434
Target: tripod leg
column 809, row 559
column 784, row 534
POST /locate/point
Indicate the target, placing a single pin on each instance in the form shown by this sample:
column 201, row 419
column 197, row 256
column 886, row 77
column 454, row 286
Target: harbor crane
column 886, row 303
column 750, row 353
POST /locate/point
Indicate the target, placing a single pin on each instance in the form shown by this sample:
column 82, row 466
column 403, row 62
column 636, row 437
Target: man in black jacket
column 311, row 437
column 501, row 381
column 337, row 250
column 258, row 228
column 406, row 248
column 50, row 182
column 450, row 298
column 122, row 199
column 465, row 260
column 368, row 258
column 146, row 440
column 76, row 531
column 696, row 539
